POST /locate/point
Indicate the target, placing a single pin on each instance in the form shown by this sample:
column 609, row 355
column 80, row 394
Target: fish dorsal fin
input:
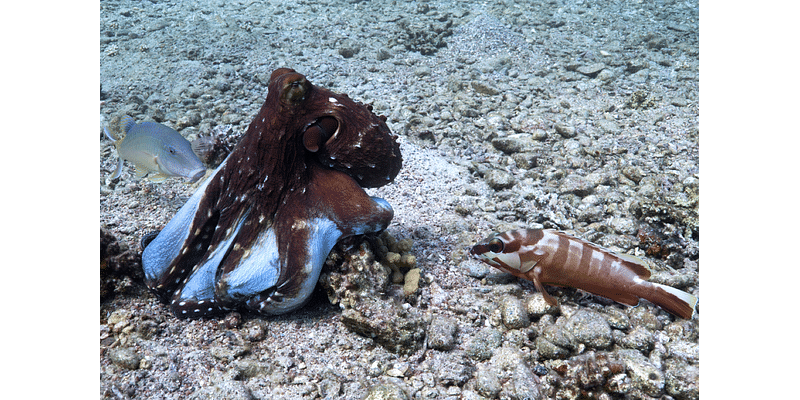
column 127, row 122
column 636, row 264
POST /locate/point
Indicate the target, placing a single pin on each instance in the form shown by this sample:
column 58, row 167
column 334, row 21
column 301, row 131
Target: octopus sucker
column 258, row 240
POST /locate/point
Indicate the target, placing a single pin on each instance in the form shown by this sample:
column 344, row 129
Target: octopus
column 255, row 235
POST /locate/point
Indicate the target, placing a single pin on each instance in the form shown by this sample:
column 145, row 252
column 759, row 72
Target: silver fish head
column 173, row 154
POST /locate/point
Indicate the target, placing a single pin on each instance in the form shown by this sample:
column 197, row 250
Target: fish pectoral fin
column 536, row 282
column 157, row 178
column 118, row 171
column 140, row 172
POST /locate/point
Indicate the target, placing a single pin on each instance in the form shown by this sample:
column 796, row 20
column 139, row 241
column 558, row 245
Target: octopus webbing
column 256, row 234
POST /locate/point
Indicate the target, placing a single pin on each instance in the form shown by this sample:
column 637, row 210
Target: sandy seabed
column 577, row 116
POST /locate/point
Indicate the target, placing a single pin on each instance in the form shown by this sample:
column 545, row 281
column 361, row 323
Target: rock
column 233, row 390
column 537, row 306
column 683, row 350
column 577, row 185
column 638, row 338
column 519, row 382
column 591, row 70
column 348, row 52
column 248, row 368
column 392, row 327
column 487, row 382
column 498, row 179
column 422, row 70
column 226, row 352
column 477, row 269
column 411, row 282
column 526, row 160
column 514, row 314
column 617, row 318
column 642, row 316
column 623, row 226
column 511, row 144
column 682, row 380
column 566, row 131
column 483, row 88
column 383, row 54
column 556, row 333
column 452, row 368
column 124, row 357
column 355, row 275
column 619, row 384
column 442, row 333
column 590, row 328
column 586, row 372
column 482, row 345
column 606, row 75
column 255, row 330
column 644, row 375
column 386, row 391
column 632, row 173
column 548, row 350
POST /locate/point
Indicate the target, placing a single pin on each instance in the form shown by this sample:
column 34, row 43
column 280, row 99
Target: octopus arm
column 196, row 296
column 283, row 266
column 166, row 247
column 256, row 272
column 273, row 284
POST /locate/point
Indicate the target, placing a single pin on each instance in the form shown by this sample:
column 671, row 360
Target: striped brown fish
column 546, row 256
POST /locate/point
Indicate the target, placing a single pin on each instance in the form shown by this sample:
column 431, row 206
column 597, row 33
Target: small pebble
column 124, row 357
column 487, row 382
column 566, row 131
column 638, row 338
column 442, row 333
column 537, row 306
column 411, row 282
column 498, row 179
column 590, row 328
column 515, row 315
column 482, row 345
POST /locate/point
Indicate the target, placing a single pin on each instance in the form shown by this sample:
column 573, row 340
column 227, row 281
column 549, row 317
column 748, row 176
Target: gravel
column 577, row 116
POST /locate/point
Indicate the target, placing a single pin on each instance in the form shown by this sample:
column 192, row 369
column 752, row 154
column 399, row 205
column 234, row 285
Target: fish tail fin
column 673, row 300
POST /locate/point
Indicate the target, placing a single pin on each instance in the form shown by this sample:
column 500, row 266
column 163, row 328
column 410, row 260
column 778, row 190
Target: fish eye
column 496, row 245
column 171, row 150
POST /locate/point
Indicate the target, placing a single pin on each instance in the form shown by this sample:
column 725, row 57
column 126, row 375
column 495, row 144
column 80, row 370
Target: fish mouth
column 196, row 175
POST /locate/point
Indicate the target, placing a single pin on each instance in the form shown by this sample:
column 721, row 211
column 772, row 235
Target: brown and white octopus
column 255, row 235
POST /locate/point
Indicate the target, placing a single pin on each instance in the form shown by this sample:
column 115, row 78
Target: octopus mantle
column 256, row 234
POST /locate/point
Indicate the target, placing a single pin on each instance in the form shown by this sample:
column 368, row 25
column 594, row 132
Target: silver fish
column 153, row 147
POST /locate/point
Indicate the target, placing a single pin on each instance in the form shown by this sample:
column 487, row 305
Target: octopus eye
column 496, row 245
column 295, row 90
